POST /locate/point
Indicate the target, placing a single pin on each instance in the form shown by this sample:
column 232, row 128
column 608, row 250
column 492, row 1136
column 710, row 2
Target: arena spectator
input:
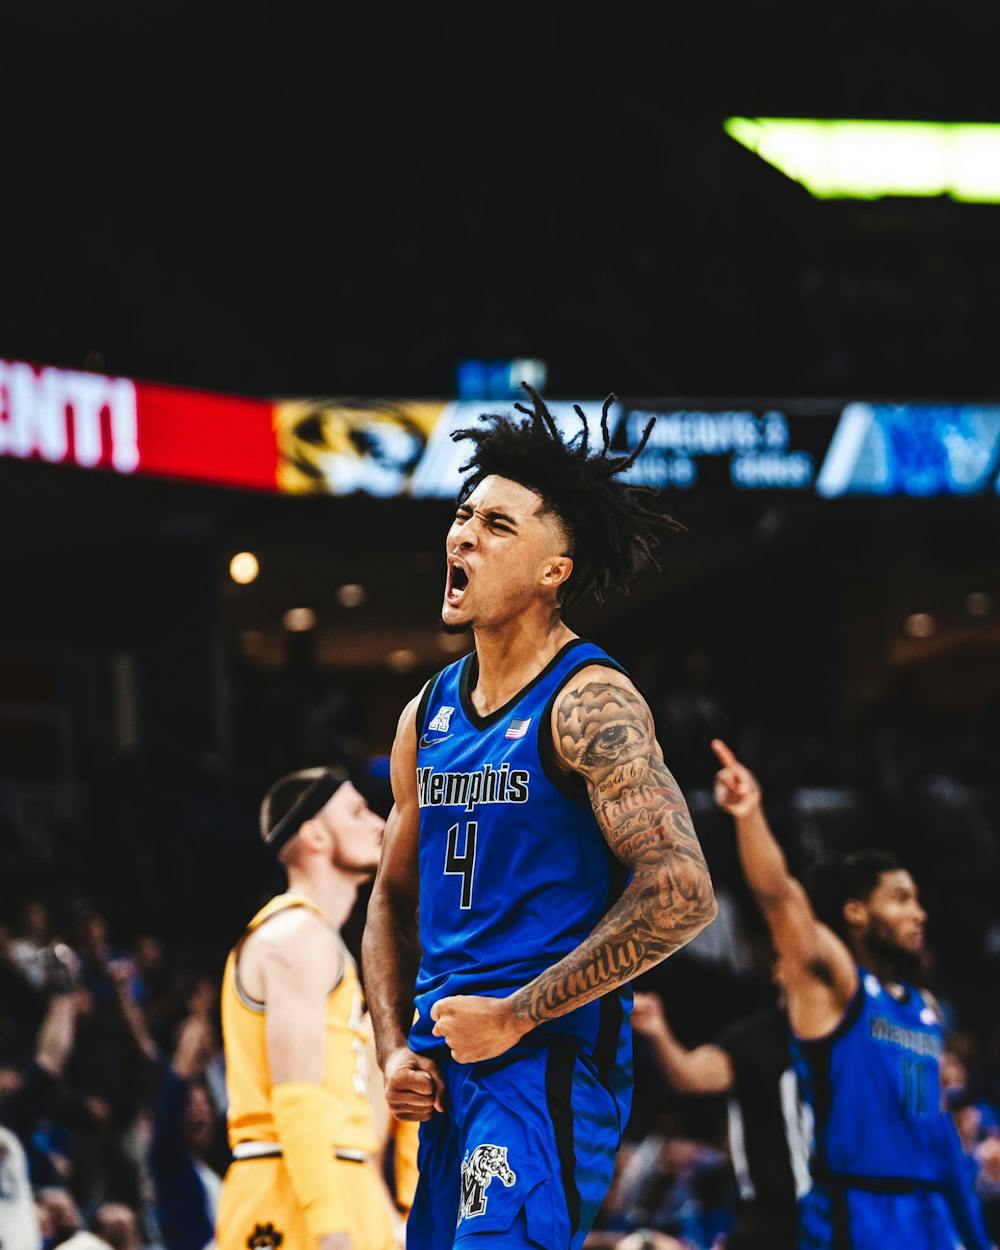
column 18, row 1217
column 118, row 1226
column 62, row 1223
column 185, row 1130
column 988, row 1184
column 34, row 935
column 155, row 987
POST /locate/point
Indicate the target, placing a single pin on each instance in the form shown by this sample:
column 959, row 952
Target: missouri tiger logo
column 265, row 1237
column 335, row 448
column 478, row 1170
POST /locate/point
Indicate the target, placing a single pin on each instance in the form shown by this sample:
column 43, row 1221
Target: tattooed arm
column 603, row 731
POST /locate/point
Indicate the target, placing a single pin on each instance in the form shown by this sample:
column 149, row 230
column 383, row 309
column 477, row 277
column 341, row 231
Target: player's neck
column 510, row 656
column 878, row 965
column 334, row 893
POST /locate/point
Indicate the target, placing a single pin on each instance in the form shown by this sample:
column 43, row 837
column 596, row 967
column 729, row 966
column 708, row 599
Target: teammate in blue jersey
column 887, row 1166
column 544, row 845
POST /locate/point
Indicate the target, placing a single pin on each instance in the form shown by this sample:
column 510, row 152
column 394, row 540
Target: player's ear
column 313, row 836
column 855, row 913
column 556, row 571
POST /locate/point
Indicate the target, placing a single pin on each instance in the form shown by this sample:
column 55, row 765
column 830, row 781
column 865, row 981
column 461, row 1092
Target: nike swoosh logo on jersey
column 432, row 742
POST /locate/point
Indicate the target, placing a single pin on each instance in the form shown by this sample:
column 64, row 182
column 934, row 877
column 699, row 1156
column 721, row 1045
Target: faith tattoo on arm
column 604, row 732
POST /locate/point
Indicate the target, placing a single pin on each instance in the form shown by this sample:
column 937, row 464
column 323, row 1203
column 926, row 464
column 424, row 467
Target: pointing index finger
column 725, row 756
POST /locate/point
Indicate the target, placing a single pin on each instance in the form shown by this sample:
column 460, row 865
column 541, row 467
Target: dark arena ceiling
column 255, row 201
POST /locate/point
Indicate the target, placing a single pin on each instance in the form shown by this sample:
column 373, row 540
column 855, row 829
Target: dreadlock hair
column 837, row 879
column 611, row 529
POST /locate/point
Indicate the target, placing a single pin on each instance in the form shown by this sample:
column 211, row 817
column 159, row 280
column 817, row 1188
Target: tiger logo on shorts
column 265, row 1237
column 478, row 1170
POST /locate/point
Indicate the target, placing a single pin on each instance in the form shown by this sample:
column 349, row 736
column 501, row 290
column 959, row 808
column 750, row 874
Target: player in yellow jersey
column 405, row 1137
column 301, row 1129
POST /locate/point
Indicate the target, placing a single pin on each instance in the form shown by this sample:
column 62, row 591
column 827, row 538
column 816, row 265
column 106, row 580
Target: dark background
column 258, row 202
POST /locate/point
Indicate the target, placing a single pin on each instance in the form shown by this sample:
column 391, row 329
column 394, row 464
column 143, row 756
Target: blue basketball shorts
column 855, row 1219
column 524, row 1151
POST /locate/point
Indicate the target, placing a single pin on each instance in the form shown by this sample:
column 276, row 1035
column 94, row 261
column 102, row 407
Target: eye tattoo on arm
column 604, row 732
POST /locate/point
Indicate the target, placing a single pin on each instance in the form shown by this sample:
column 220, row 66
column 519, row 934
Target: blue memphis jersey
column 514, row 872
column 875, row 1088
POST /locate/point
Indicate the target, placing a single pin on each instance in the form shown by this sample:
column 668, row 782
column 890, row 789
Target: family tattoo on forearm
column 605, row 732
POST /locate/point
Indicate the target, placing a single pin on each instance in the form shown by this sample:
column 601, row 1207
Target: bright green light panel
column 865, row 160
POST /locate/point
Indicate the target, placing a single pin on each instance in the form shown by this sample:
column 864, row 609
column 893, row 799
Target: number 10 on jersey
column 463, row 865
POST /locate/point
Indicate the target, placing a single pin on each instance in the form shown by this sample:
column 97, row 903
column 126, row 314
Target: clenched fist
column 736, row 789
column 413, row 1085
column 477, row 1028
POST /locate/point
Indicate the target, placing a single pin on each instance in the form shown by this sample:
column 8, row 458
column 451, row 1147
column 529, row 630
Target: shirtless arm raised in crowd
column 817, row 968
column 603, row 732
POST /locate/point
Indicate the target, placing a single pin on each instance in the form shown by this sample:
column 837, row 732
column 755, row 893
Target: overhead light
column 401, row 660
column 244, row 567
column 351, row 596
column 299, row 620
column 920, row 625
column 979, row 603
column 865, row 160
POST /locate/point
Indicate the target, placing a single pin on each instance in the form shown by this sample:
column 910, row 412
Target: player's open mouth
column 458, row 581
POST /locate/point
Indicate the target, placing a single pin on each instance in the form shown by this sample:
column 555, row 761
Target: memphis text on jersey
column 485, row 785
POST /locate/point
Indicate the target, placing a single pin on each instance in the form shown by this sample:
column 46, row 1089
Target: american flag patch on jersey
column 517, row 728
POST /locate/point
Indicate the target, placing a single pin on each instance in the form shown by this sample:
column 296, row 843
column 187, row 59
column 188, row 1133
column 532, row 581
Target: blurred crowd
column 112, row 1085
column 112, row 1090
column 111, row 1074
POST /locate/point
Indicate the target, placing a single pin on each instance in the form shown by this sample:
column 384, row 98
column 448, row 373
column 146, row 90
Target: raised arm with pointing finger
column 887, row 1165
column 820, row 973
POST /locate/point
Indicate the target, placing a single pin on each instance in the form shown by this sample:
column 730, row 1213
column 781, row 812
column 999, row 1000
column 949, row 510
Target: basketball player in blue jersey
column 544, row 845
column 887, row 1165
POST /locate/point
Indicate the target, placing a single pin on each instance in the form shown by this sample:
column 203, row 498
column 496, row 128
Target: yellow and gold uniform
column 259, row 1206
column 406, row 1135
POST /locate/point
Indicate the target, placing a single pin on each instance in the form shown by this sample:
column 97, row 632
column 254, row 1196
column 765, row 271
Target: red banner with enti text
column 62, row 416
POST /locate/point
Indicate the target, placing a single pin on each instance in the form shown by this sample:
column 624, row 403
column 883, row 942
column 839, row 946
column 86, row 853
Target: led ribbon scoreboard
column 386, row 448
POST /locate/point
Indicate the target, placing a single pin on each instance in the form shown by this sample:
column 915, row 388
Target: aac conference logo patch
column 442, row 720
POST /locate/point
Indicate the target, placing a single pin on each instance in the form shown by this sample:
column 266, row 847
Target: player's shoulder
column 284, row 932
column 592, row 684
column 410, row 714
column 601, row 669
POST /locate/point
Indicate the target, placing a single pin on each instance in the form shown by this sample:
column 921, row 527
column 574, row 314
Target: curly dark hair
column 611, row 529
column 836, row 879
